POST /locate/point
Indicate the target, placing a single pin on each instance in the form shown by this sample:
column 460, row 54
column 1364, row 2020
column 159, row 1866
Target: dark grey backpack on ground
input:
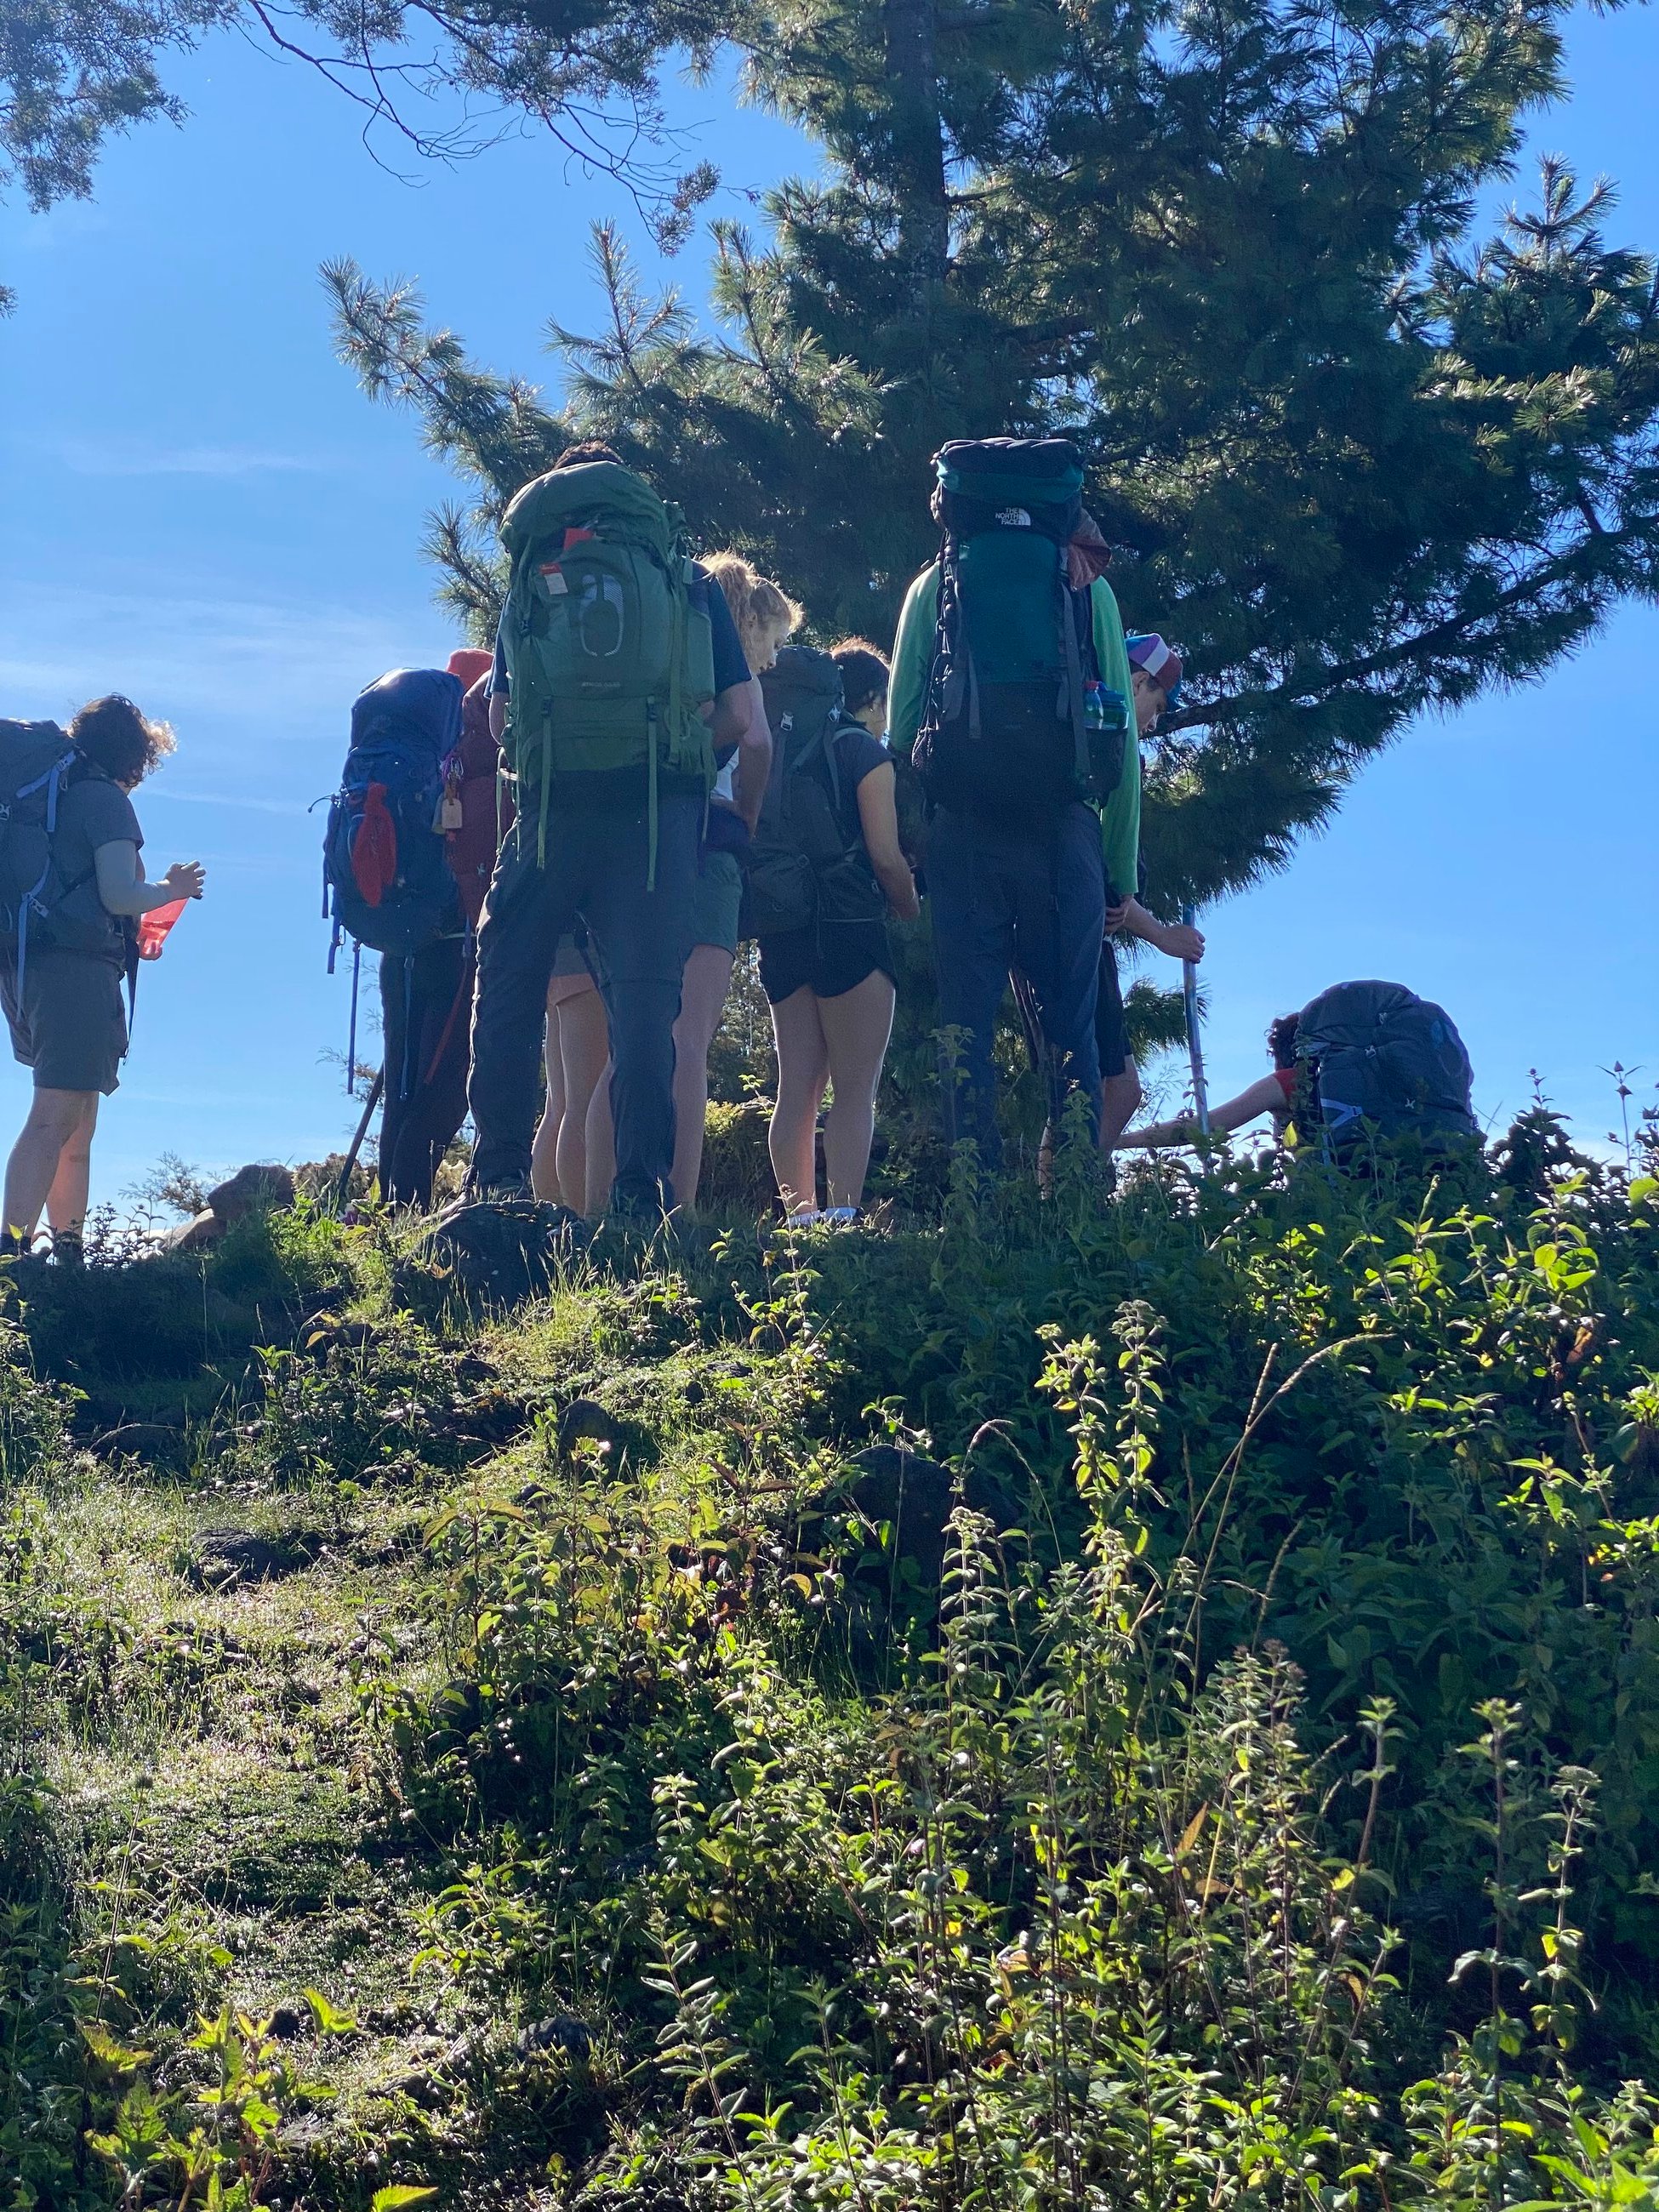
column 1377, row 1062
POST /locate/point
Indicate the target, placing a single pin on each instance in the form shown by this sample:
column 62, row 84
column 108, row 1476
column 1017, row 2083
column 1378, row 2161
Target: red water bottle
column 152, row 928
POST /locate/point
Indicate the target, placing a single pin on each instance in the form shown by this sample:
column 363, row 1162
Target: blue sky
column 199, row 507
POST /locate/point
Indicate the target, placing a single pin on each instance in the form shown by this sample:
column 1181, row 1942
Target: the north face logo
column 1014, row 518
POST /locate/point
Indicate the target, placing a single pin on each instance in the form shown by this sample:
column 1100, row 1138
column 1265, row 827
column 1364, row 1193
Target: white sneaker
column 838, row 1217
column 807, row 1219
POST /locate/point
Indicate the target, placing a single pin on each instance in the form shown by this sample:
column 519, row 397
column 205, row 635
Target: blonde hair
column 764, row 612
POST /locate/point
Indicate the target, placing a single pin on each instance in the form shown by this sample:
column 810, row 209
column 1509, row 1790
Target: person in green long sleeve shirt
column 1020, row 861
column 913, row 657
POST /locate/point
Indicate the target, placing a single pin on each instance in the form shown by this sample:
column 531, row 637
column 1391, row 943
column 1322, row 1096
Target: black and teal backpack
column 801, row 868
column 1375, row 1063
column 608, row 645
column 1008, row 726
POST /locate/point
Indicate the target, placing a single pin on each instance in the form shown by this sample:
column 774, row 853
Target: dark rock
column 252, row 1189
column 259, row 1188
column 585, row 1420
column 142, row 1439
column 504, row 1253
column 219, row 1558
column 563, row 2031
column 918, row 1495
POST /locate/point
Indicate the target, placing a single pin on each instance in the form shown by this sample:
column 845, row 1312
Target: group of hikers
column 556, row 849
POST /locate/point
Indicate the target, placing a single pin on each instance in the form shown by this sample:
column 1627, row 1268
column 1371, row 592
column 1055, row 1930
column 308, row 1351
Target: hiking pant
column 1007, row 895
column 595, row 873
column 426, row 1015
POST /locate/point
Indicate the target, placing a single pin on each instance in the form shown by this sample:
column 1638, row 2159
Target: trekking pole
column 345, row 1184
column 1194, row 1040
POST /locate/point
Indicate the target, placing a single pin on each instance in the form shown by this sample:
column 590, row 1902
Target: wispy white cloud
column 236, row 674
column 126, row 457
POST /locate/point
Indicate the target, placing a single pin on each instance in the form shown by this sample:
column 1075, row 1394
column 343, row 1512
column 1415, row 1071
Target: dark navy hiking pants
column 1011, row 895
column 595, row 873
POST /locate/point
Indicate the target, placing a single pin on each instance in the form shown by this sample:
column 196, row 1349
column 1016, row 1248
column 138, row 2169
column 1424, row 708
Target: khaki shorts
column 69, row 1023
column 571, row 973
column 716, row 899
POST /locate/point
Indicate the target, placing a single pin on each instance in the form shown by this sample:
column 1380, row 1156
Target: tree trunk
column 918, row 138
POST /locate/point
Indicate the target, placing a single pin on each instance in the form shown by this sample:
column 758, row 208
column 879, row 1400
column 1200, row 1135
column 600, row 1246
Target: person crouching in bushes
column 763, row 616
column 830, row 982
column 72, row 887
column 1274, row 1094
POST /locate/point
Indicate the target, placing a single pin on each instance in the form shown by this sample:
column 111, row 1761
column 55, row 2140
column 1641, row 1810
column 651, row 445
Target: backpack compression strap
column 1071, row 699
column 51, row 783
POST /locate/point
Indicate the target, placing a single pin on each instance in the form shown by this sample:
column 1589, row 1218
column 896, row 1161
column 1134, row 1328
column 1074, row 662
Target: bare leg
column 54, row 1117
column 585, row 1045
column 66, row 1201
column 702, row 993
column 802, row 1072
column 856, row 1027
column 1120, row 1102
column 601, row 1138
column 543, row 1153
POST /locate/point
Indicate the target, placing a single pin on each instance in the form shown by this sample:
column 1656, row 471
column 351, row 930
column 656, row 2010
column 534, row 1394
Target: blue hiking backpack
column 386, row 880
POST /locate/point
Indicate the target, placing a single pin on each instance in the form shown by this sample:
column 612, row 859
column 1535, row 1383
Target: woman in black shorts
column 831, row 990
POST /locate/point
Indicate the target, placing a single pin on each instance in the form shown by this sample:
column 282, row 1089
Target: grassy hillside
column 1149, row 1704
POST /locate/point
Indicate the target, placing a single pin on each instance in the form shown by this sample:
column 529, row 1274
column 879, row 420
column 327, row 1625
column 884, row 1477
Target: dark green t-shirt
column 91, row 811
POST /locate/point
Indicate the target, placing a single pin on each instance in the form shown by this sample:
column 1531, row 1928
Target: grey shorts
column 716, row 897
column 69, row 1024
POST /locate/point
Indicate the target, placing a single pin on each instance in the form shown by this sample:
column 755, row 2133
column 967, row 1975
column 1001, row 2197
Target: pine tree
column 1356, row 462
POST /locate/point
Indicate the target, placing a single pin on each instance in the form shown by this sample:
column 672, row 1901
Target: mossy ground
column 524, row 1731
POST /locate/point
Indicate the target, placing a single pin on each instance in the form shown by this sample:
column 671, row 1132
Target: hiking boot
column 512, row 1190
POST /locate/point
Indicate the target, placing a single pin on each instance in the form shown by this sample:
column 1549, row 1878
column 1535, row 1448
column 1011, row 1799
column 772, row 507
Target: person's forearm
column 1182, row 1132
column 133, row 899
column 1138, row 923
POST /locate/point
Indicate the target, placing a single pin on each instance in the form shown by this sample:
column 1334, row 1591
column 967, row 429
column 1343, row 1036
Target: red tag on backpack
column 374, row 849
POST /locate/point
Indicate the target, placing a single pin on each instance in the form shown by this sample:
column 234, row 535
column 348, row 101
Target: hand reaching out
column 184, row 880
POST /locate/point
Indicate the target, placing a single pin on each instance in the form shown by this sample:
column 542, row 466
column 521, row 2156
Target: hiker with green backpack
column 1011, row 690
column 618, row 680
column 72, row 890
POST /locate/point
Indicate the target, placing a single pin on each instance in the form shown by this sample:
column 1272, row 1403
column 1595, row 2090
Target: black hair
column 590, row 449
column 113, row 733
column 1281, row 1040
column 864, row 673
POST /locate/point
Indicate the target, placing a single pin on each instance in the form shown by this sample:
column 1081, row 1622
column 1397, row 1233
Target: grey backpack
column 38, row 764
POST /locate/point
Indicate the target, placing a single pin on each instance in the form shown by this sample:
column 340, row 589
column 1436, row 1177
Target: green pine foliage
column 1358, row 458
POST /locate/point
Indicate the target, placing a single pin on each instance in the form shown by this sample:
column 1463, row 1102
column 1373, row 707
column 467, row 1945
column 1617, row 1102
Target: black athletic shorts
column 69, row 1024
column 828, row 959
column 1111, row 1035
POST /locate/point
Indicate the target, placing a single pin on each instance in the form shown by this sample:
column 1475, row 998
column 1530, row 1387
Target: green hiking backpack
column 607, row 640
column 1016, row 721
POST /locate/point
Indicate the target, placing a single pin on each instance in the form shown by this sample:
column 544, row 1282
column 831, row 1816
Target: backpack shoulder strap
column 1071, row 701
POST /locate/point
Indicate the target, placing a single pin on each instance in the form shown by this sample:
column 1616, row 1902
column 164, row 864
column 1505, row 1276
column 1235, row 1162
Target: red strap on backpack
column 374, row 849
